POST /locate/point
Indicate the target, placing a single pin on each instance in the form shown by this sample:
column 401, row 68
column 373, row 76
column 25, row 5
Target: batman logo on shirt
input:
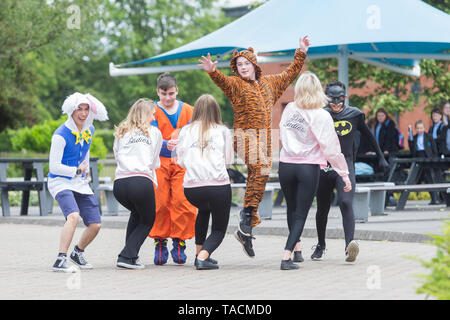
column 342, row 127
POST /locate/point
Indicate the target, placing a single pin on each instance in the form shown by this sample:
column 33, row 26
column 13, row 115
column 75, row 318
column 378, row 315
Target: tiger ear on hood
column 235, row 53
column 251, row 50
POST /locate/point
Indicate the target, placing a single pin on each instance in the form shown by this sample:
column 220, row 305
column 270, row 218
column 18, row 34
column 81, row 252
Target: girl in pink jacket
column 309, row 141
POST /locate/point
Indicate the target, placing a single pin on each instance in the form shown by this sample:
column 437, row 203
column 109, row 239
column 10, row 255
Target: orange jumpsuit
column 175, row 216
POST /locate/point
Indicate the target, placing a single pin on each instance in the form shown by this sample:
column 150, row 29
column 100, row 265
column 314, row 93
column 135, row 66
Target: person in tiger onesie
column 253, row 96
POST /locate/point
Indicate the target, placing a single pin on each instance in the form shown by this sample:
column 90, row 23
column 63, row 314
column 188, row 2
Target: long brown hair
column 137, row 118
column 382, row 110
column 206, row 113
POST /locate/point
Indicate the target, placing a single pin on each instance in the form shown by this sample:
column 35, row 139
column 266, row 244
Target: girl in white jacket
column 309, row 140
column 137, row 145
column 205, row 149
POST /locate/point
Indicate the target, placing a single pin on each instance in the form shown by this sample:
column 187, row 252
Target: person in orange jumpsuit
column 175, row 216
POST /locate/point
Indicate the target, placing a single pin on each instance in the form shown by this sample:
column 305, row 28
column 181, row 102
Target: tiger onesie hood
column 250, row 56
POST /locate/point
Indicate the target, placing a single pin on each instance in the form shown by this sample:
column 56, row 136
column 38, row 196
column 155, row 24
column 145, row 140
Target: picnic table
column 416, row 166
column 27, row 183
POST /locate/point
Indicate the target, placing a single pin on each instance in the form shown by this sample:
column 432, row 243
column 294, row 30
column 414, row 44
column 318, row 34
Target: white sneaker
column 62, row 266
column 352, row 251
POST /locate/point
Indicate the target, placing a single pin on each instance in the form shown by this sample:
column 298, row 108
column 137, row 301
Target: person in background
column 387, row 137
column 386, row 133
column 423, row 145
column 137, row 145
column 205, row 149
column 445, row 109
column 436, row 129
column 439, row 134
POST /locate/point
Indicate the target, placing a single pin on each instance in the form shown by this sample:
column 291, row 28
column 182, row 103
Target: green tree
column 31, row 30
column 138, row 29
column 38, row 138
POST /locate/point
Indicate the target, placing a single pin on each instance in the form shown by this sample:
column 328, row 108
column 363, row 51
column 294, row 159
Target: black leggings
column 328, row 181
column 214, row 201
column 299, row 185
column 137, row 195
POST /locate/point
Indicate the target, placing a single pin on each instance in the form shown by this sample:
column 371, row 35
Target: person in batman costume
column 347, row 121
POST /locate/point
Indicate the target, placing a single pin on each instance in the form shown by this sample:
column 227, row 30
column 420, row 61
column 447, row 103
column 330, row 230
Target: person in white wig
column 68, row 172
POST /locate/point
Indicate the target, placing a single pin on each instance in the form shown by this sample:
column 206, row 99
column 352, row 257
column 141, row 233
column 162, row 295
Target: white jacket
column 211, row 168
column 308, row 136
column 138, row 155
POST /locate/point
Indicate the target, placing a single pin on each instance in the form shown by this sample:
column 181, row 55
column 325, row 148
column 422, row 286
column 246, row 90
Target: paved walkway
column 382, row 270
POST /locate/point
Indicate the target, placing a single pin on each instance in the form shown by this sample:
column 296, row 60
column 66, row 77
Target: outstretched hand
column 304, row 44
column 206, row 63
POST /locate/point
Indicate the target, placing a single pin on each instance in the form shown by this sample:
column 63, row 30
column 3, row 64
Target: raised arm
column 228, row 84
column 281, row 81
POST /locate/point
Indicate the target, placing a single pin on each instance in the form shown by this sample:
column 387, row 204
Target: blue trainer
column 177, row 252
column 161, row 253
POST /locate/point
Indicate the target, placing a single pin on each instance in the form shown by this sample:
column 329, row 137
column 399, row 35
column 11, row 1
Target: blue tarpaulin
column 394, row 33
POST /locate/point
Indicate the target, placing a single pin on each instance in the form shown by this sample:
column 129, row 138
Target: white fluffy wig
column 97, row 110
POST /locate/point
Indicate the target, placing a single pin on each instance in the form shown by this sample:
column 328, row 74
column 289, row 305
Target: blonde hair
column 137, row 118
column 206, row 113
column 309, row 93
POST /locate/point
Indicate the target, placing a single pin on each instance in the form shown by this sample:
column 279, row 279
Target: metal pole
column 343, row 65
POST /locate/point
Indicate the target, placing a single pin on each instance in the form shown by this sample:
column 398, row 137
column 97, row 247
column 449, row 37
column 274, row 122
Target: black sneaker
column 319, row 251
column 351, row 252
column 298, row 256
column 61, row 265
column 205, row 265
column 128, row 263
column 207, row 259
column 245, row 223
column 78, row 258
column 246, row 243
column 288, row 265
